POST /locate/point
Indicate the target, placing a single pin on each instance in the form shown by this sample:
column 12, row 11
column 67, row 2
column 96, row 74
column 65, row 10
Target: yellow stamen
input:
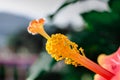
column 60, row 47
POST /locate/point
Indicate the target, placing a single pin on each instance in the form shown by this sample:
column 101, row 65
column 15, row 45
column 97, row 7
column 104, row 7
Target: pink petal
column 111, row 63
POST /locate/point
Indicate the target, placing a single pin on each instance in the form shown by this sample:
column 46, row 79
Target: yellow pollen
column 60, row 47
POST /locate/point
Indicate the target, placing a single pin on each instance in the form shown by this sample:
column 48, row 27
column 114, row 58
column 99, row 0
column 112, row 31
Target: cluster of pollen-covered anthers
column 61, row 48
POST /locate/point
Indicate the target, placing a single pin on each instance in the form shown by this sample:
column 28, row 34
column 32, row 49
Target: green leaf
column 115, row 5
column 94, row 17
column 103, row 22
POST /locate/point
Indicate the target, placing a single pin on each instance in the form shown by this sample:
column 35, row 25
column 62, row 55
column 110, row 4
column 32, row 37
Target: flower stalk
column 61, row 48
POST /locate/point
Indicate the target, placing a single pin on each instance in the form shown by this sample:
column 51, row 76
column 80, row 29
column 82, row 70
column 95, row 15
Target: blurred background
column 92, row 24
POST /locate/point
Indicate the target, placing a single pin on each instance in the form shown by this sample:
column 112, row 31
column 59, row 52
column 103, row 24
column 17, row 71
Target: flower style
column 61, row 48
column 111, row 63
